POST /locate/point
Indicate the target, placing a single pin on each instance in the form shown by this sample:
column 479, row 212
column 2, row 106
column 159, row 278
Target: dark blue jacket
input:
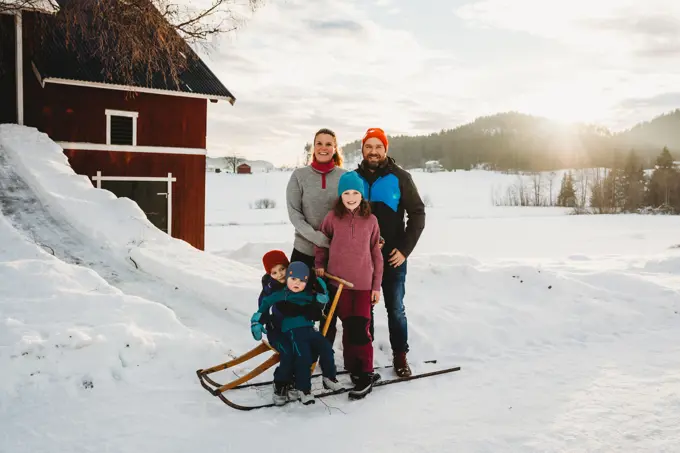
column 269, row 287
column 392, row 193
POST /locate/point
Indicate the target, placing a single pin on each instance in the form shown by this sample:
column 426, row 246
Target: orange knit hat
column 375, row 132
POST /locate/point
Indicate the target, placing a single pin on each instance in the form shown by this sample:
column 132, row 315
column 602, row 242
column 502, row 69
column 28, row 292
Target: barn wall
column 8, row 89
column 188, row 204
column 77, row 114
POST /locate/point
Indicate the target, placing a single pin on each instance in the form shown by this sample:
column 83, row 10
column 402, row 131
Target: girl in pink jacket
column 355, row 256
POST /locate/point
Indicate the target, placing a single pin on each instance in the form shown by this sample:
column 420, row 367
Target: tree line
column 624, row 188
column 628, row 188
column 516, row 142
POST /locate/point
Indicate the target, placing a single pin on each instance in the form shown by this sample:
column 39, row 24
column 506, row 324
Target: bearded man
column 392, row 193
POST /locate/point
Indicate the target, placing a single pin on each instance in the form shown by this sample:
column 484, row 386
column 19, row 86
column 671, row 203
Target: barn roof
column 55, row 62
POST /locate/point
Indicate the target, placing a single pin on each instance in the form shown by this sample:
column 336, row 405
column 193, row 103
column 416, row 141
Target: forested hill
column 516, row 141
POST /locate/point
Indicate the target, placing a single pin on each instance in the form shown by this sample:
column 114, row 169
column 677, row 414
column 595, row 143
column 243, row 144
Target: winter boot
column 331, row 384
column 401, row 364
column 293, row 393
column 362, row 387
column 280, row 393
column 355, row 377
column 306, row 398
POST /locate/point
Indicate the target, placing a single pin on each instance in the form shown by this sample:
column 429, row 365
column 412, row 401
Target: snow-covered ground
column 567, row 328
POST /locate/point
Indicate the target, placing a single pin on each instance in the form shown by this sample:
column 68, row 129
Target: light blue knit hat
column 351, row 181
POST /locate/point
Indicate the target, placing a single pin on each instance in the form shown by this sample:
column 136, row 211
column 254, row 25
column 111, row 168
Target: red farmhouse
column 149, row 146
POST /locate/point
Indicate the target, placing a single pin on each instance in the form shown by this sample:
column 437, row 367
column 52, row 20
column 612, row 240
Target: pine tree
column 567, row 195
column 664, row 185
column 665, row 159
column 597, row 195
column 633, row 184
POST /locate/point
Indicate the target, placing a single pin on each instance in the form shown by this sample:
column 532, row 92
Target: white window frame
column 133, row 115
column 169, row 179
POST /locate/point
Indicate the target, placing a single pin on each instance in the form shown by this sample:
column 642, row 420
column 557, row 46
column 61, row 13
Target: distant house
column 433, row 166
column 243, row 169
column 150, row 147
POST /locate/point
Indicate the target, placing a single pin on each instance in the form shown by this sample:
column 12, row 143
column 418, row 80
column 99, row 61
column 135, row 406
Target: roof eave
column 118, row 87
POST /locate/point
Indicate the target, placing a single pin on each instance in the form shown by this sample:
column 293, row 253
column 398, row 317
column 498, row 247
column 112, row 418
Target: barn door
column 8, row 73
column 151, row 196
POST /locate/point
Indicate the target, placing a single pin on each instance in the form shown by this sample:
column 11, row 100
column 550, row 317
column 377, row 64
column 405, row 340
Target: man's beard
column 374, row 164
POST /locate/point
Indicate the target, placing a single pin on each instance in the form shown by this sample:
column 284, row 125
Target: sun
column 565, row 105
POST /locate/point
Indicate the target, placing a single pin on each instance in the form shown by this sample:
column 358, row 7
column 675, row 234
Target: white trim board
column 132, row 149
column 121, row 113
column 170, row 179
column 112, row 86
column 128, row 114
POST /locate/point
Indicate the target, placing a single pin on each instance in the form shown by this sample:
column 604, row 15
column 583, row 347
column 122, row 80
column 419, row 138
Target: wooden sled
column 217, row 389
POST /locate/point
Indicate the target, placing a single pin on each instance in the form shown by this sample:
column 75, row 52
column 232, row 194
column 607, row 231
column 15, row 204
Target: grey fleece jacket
column 308, row 203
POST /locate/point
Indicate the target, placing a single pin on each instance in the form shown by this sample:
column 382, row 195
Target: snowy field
column 461, row 220
column 567, row 328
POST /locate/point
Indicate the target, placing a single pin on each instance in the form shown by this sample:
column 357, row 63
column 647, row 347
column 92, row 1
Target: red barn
column 243, row 169
column 144, row 141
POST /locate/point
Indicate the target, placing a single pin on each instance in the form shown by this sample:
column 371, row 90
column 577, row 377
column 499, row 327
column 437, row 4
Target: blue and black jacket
column 392, row 193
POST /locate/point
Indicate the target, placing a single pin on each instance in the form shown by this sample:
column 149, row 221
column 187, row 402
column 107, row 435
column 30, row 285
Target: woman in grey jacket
column 311, row 193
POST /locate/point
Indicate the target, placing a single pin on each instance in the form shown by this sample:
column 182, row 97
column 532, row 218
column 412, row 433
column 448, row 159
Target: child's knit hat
column 272, row 258
column 298, row 269
column 351, row 181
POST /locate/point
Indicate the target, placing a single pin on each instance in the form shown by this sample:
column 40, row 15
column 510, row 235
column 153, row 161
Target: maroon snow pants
column 354, row 310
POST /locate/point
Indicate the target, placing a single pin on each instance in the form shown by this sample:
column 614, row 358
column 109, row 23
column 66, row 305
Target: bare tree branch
column 11, row 6
column 133, row 37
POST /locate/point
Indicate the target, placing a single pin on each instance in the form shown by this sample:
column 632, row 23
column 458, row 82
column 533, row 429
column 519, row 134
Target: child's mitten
column 321, row 291
column 256, row 328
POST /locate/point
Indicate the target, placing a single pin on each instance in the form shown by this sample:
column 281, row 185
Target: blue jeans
column 394, row 289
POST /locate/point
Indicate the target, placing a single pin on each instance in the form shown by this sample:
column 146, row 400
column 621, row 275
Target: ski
column 380, row 383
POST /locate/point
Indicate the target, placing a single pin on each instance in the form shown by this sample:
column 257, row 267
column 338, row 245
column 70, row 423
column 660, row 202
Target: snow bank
column 64, row 329
column 116, row 224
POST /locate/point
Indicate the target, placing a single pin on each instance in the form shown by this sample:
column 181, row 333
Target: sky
column 408, row 67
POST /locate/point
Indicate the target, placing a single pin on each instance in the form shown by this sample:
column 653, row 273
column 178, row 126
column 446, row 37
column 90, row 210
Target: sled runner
column 263, row 347
column 327, row 393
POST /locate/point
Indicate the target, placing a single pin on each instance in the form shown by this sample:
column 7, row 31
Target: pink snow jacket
column 354, row 253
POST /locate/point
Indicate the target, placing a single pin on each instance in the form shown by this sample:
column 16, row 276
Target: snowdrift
column 116, row 225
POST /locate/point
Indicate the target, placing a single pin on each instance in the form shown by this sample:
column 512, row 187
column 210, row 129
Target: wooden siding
column 188, row 196
column 77, row 114
column 8, row 88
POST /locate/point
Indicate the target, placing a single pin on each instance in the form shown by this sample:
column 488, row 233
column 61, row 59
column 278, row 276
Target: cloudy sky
column 417, row 67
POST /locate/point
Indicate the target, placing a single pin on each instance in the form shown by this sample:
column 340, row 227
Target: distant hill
column 664, row 130
column 517, row 141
